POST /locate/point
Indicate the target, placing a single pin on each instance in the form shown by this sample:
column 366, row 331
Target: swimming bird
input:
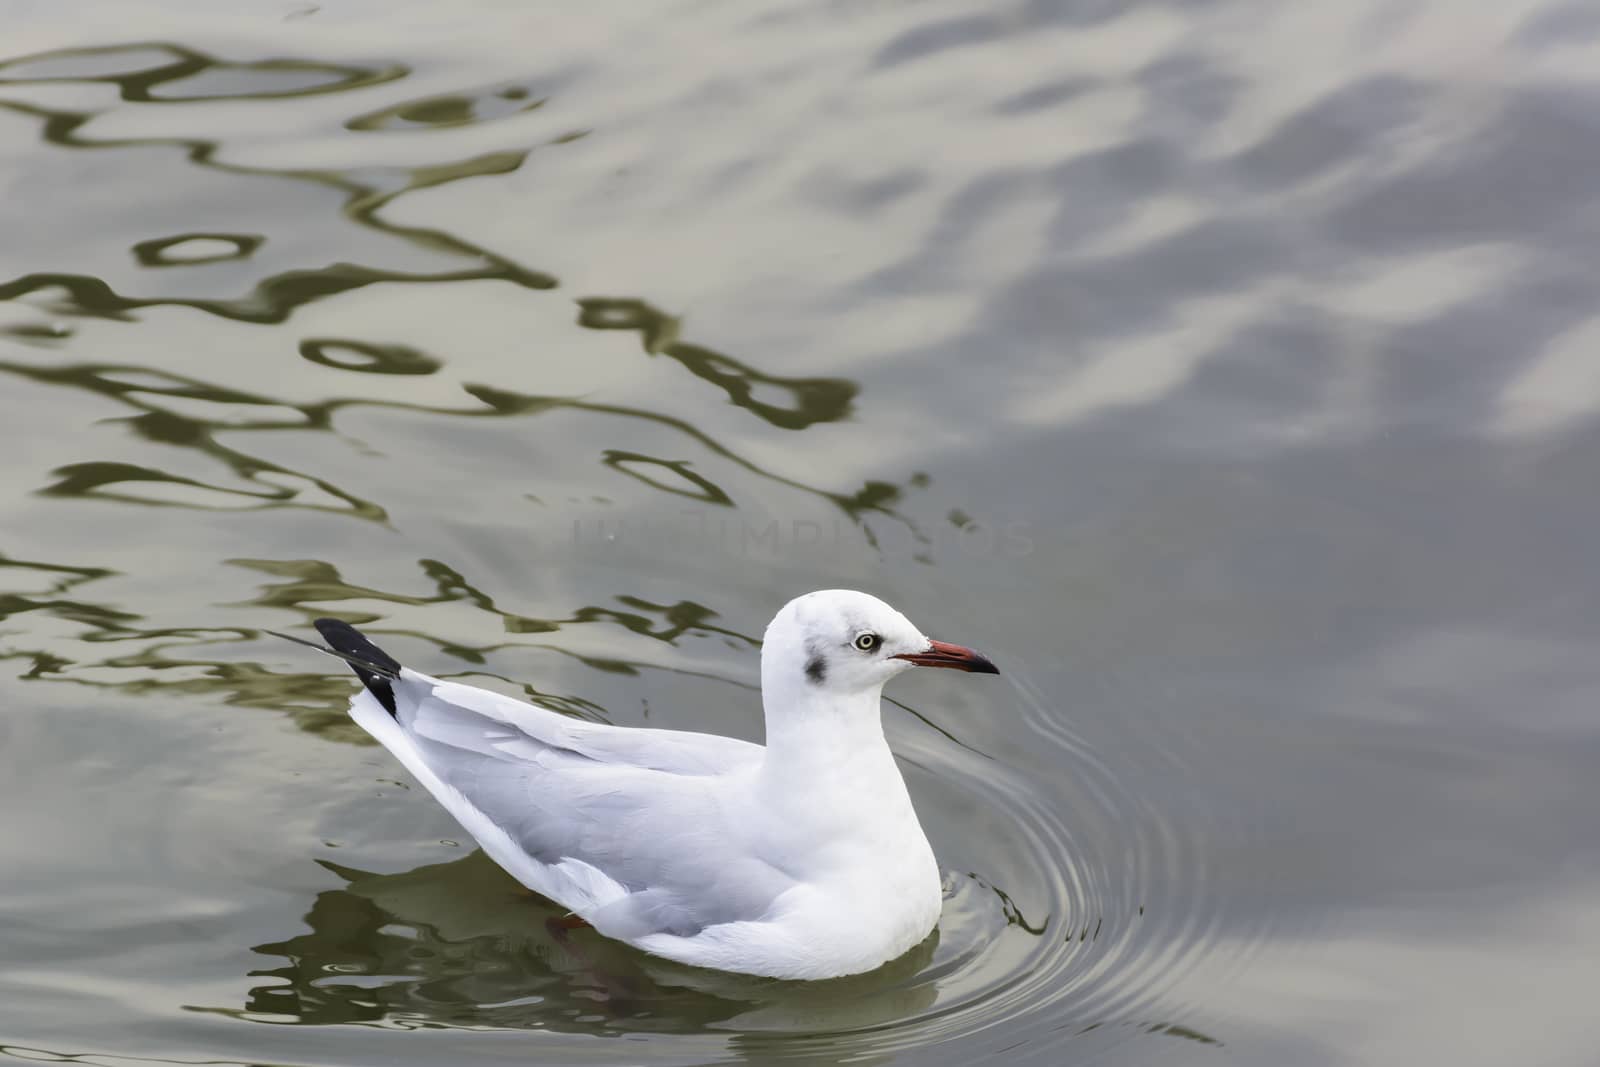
column 801, row 858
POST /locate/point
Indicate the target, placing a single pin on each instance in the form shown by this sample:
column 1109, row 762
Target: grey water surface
column 1229, row 371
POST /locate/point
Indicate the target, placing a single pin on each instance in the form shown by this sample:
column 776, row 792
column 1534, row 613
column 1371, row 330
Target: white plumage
column 802, row 858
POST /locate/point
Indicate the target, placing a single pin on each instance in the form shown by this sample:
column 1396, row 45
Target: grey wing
column 674, row 751
column 627, row 827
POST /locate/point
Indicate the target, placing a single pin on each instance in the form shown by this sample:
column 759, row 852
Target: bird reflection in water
column 461, row 944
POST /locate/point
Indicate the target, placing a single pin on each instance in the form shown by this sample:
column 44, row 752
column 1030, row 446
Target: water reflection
column 462, row 944
column 1045, row 927
column 57, row 580
column 275, row 297
column 453, row 109
column 814, row 400
column 266, row 484
column 172, row 251
column 201, row 661
column 874, row 496
column 141, row 71
column 272, row 485
column 369, row 358
column 35, row 1054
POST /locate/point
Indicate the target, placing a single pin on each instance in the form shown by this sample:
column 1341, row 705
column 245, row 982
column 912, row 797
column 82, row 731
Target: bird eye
column 866, row 642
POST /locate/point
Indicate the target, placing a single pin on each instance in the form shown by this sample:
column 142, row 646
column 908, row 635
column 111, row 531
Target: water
column 1225, row 370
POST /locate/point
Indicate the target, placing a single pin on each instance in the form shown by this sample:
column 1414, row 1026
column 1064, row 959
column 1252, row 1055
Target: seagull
column 798, row 859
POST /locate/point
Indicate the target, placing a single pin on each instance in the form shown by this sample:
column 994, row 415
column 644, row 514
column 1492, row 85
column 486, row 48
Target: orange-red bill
column 956, row 657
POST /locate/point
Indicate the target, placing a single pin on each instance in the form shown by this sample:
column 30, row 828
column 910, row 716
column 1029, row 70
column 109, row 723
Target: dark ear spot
column 816, row 669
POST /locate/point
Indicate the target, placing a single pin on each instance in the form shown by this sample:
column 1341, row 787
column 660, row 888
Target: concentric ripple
column 1082, row 905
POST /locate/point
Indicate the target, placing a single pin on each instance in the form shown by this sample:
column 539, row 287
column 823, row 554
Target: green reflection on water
column 274, row 299
column 461, row 944
column 449, row 110
column 815, row 399
column 181, row 64
column 457, row 944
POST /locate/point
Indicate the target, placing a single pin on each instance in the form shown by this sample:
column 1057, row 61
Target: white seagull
column 799, row 859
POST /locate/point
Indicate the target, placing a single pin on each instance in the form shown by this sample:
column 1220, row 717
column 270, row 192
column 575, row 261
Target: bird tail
column 375, row 667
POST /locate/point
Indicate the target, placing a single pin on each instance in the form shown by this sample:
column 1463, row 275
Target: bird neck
column 826, row 737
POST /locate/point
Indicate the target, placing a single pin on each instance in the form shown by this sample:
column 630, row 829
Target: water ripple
column 352, row 318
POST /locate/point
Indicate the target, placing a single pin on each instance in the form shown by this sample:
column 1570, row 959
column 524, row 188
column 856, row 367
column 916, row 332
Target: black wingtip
column 352, row 642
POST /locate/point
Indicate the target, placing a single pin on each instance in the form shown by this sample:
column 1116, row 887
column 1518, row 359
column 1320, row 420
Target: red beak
column 944, row 654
